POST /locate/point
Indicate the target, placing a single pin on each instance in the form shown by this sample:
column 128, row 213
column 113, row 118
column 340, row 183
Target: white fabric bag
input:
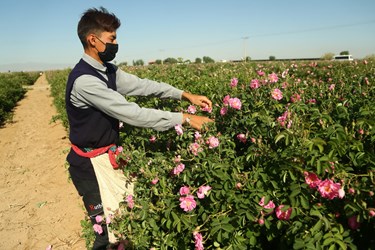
column 113, row 186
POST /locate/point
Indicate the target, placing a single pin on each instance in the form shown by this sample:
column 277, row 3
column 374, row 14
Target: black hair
column 96, row 21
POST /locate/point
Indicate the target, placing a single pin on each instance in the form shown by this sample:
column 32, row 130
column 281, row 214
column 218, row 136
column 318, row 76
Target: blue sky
column 43, row 33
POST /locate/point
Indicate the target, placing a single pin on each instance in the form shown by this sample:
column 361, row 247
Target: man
column 95, row 104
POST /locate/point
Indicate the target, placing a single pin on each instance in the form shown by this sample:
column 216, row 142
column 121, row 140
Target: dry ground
column 38, row 205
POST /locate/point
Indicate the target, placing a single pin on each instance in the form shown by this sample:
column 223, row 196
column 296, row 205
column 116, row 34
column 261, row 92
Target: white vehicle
column 343, row 58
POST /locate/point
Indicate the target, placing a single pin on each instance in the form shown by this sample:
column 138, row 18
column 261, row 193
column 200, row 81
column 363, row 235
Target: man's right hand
column 196, row 121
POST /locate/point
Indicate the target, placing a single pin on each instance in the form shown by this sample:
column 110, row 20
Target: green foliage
column 12, row 90
column 207, row 59
column 324, row 124
column 57, row 79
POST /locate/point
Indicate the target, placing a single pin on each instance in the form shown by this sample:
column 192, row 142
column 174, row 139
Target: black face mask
column 109, row 53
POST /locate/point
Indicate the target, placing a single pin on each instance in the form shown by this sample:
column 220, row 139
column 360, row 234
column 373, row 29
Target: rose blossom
column 269, row 205
column 191, row 109
column 202, row 191
column 187, row 203
column 98, row 219
column 130, row 201
column 234, row 82
column 152, row 138
column 197, row 135
column 223, row 111
column 295, row 98
column 226, row 100
column 179, row 129
column 155, row 180
column 207, row 109
column 198, row 241
column 311, row 179
column 254, row 84
column 178, row 169
column 98, row 228
column 273, row 78
column 184, row 190
column 328, row 189
column 213, row 142
column 235, row 103
column 341, row 193
column 277, row 94
column 242, row 138
column 283, row 215
column 260, row 73
column 195, row 148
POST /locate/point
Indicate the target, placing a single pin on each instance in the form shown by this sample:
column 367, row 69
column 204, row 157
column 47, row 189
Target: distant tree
column 180, row 60
column 248, row 59
column 327, row 56
column 272, row 58
column 207, row 59
column 345, row 52
column 170, row 60
column 138, row 62
column 122, row 64
column 198, row 60
column 158, row 61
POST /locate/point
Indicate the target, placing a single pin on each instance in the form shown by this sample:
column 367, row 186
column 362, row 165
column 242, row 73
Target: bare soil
column 38, row 205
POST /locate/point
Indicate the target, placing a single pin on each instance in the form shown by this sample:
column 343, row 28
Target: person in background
column 96, row 102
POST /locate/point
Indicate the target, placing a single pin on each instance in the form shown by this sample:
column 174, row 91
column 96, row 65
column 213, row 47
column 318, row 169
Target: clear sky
column 43, row 33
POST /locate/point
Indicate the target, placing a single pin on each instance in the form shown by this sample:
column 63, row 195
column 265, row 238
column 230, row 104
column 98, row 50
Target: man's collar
column 94, row 63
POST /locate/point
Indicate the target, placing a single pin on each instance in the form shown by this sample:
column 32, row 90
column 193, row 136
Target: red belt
column 91, row 153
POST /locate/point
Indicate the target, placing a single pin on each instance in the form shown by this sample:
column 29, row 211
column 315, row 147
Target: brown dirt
column 38, row 205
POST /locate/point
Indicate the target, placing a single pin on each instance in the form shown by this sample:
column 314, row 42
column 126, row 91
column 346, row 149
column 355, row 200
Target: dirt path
column 38, row 205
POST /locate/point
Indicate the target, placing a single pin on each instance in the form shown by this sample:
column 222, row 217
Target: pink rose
column 328, row 189
column 202, row 191
column 130, row 201
column 179, row 129
column 283, row 215
column 277, row 94
column 155, row 181
column 195, row 148
column 235, row 103
column 184, row 190
column 226, row 100
column 178, row 169
column 213, row 142
column 311, row 179
column 198, row 241
column 98, row 228
column 191, row 109
column 187, row 203
column 254, row 84
column 223, row 111
column 242, row 138
column 98, row 219
column 270, row 204
column 273, row 78
column 153, row 139
column 234, row 82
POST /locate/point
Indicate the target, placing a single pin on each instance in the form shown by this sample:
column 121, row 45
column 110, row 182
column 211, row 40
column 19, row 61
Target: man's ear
column 91, row 40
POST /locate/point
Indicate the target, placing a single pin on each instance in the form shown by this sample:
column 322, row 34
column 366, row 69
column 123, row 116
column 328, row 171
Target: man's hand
column 196, row 121
column 199, row 100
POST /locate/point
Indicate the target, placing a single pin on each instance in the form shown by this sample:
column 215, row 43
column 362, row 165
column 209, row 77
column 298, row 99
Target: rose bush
column 288, row 163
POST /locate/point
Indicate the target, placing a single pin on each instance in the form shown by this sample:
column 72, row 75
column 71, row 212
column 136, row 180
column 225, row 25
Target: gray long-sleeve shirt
column 90, row 91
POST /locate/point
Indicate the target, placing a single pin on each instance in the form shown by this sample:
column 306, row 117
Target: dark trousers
column 89, row 190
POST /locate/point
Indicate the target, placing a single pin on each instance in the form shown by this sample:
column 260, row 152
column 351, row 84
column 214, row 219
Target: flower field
column 12, row 90
column 289, row 162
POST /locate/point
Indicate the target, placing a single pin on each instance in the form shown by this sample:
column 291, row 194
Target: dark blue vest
column 90, row 127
